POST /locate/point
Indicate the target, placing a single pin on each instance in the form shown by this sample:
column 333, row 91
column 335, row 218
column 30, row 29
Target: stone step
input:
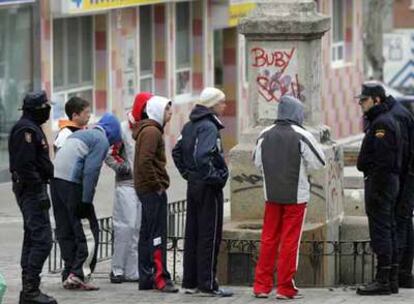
column 354, row 228
column 354, row 202
column 353, row 179
column 351, row 146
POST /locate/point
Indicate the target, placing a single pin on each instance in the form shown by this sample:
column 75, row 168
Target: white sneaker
column 283, row 297
column 191, row 291
column 261, row 295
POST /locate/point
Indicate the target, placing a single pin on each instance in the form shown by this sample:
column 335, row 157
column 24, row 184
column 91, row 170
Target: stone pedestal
column 284, row 57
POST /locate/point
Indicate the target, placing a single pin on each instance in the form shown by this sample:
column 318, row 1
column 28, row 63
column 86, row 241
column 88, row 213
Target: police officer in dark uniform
column 404, row 206
column 380, row 161
column 31, row 170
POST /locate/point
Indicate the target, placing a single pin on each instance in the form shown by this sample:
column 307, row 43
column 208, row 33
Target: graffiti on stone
column 277, row 74
column 247, row 182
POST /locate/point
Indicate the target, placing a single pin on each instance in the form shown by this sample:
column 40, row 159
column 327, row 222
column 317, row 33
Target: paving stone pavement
column 10, row 245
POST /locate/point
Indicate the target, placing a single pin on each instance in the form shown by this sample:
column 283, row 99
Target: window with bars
column 183, row 48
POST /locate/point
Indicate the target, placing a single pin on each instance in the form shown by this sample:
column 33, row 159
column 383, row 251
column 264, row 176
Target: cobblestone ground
column 128, row 293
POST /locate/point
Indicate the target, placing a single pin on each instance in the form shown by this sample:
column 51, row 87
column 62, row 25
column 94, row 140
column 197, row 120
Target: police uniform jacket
column 29, row 153
column 381, row 150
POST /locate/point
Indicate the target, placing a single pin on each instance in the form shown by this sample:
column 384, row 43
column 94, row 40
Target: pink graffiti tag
column 280, row 59
column 273, row 87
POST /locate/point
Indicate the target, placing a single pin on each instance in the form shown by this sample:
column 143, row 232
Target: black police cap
column 35, row 100
column 371, row 89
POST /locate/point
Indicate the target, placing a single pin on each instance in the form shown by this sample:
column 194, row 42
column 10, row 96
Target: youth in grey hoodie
column 285, row 152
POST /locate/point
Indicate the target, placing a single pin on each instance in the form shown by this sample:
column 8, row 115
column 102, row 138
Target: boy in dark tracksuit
column 198, row 156
column 380, row 160
column 151, row 180
column 77, row 166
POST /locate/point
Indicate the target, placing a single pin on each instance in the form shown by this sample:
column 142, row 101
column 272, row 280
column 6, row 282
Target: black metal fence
column 322, row 263
column 105, row 246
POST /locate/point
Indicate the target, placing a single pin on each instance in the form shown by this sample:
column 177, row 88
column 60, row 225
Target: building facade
column 399, row 48
column 19, row 65
column 107, row 51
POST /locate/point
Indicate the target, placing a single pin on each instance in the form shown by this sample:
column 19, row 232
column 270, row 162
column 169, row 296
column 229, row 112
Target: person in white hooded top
column 151, row 181
column 126, row 216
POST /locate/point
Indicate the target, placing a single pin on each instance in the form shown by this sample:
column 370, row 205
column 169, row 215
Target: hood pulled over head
column 156, row 108
column 112, row 128
column 291, row 109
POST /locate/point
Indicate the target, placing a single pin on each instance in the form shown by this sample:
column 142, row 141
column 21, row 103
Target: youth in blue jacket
column 77, row 166
column 199, row 157
column 198, row 154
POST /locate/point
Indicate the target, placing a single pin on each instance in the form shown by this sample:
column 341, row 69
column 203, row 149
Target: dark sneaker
column 129, row 280
column 406, row 281
column 221, row 292
column 169, row 288
column 374, row 289
column 116, row 279
column 36, row 298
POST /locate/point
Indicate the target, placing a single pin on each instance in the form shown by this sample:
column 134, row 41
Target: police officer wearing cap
column 31, row 170
column 380, row 160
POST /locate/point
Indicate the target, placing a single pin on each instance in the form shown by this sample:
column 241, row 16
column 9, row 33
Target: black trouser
column 405, row 235
column 152, row 247
column 78, row 239
column 37, row 240
column 380, row 198
column 203, row 232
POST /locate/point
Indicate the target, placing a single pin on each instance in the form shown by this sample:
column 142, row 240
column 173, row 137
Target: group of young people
column 135, row 150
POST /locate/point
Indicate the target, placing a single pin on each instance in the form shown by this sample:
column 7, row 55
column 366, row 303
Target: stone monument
column 284, row 57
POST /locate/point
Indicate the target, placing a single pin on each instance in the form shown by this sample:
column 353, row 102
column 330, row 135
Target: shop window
column 183, row 50
column 16, row 70
column 72, row 61
column 146, row 35
column 342, row 31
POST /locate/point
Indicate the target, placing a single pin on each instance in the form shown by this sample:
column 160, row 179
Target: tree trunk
column 373, row 40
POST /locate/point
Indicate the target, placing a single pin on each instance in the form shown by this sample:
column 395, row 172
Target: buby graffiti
column 274, row 78
column 280, row 59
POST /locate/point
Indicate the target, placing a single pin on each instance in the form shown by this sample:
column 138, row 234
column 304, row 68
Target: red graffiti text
column 280, row 59
column 272, row 87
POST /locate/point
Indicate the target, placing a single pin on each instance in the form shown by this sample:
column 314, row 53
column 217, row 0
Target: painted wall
column 403, row 14
column 340, row 84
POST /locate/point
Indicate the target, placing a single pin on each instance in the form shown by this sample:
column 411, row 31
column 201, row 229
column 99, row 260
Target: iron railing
column 336, row 262
column 105, row 246
column 349, row 262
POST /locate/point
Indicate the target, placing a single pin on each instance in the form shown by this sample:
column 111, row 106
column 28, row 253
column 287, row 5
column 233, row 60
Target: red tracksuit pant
column 282, row 230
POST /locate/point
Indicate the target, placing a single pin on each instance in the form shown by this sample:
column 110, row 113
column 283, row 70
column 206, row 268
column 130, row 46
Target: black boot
column 31, row 293
column 381, row 285
column 406, row 280
column 394, row 278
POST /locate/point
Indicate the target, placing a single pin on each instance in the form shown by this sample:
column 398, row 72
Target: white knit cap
column 210, row 97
